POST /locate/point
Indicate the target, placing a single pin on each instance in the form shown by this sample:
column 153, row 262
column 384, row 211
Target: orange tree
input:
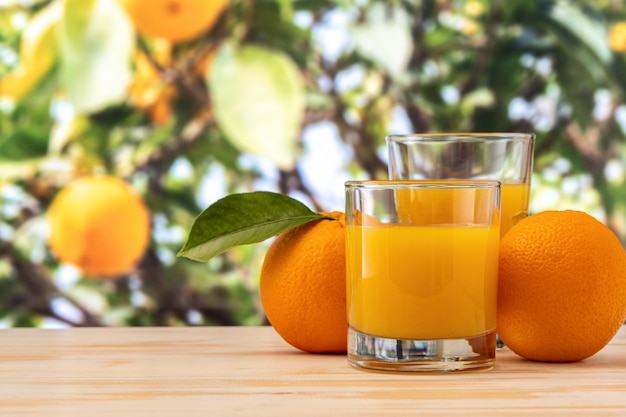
column 232, row 96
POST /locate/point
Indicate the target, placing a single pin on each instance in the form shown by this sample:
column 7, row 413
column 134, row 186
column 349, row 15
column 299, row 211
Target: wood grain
column 250, row 371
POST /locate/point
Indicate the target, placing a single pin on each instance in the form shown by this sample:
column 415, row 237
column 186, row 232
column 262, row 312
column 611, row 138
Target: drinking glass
column 422, row 268
column 504, row 157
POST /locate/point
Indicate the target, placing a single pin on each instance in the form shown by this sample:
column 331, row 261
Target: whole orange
column 100, row 225
column 303, row 285
column 175, row 20
column 562, row 286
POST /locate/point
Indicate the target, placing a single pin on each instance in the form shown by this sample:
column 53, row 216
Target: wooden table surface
column 250, row 371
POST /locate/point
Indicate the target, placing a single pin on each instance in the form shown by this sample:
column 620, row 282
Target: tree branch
column 292, row 181
column 39, row 290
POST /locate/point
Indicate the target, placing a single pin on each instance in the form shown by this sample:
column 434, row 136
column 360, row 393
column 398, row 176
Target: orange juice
column 422, row 282
column 514, row 204
column 439, row 206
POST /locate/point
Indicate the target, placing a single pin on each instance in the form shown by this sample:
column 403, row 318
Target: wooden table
column 250, row 371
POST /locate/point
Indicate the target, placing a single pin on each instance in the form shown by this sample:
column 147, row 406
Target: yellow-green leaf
column 385, row 38
column 38, row 53
column 96, row 46
column 258, row 98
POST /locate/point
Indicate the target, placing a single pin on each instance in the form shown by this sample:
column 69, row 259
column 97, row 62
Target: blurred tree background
column 278, row 95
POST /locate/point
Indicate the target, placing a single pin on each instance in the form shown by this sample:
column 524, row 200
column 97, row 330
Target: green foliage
column 236, row 110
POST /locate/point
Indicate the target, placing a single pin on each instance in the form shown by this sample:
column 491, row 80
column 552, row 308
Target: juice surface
column 441, row 206
column 513, row 204
column 422, row 282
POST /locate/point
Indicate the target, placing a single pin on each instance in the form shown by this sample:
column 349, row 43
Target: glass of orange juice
column 504, row 157
column 422, row 269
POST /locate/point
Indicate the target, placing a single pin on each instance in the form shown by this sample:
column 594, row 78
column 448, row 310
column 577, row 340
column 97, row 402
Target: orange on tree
column 562, row 286
column 303, row 285
column 617, row 37
column 175, row 20
column 100, row 225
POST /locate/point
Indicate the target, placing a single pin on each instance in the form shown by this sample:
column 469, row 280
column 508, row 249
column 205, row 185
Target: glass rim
column 422, row 183
column 460, row 137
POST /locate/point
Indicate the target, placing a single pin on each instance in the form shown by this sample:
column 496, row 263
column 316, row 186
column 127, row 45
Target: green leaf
column 589, row 29
column 241, row 219
column 22, row 145
column 96, row 46
column 259, row 101
column 385, row 38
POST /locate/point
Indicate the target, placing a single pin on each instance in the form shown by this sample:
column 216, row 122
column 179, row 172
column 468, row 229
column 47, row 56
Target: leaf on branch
column 385, row 38
column 241, row 219
column 96, row 45
column 588, row 29
column 258, row 97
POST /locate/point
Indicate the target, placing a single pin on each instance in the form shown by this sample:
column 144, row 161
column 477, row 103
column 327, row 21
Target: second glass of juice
column 422, row 272
column 504, row 157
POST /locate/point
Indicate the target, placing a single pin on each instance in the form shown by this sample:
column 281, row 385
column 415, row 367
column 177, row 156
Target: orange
column 303, row 285
column 175, row 20
column 100, row 225
column 617, row 37
column 562, row 286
